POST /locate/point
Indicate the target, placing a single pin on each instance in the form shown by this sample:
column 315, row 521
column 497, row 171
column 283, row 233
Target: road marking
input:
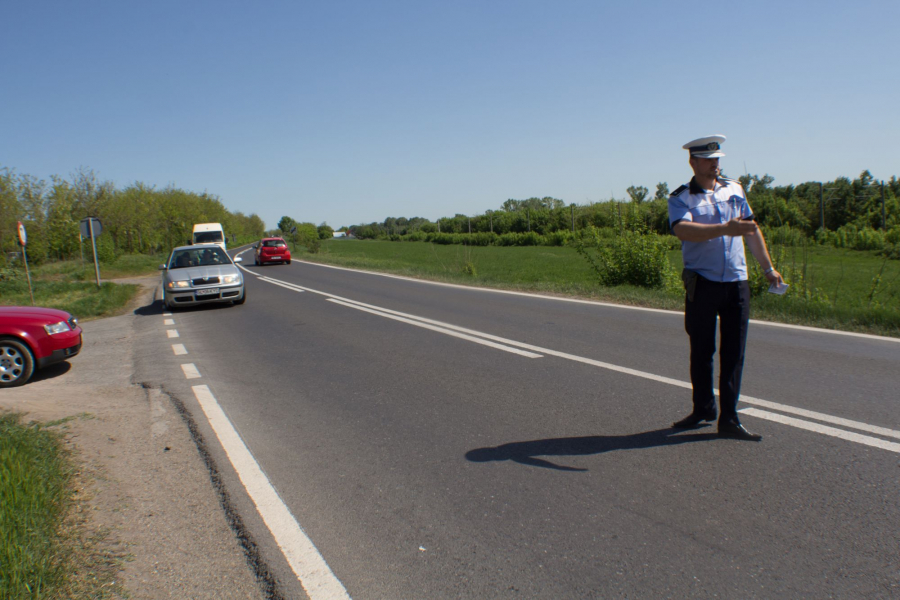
column 283, row 284
column 443, row 330
column 616, row 368
column 678, row 313
column 823, row 429
column 167, row 314
column 822, row 417
column 190, row 371
column 308, row 565
column 179, row 349
column 169, row 322
column 172, row 333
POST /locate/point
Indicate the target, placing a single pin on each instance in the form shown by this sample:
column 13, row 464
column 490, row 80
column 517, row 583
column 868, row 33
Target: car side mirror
column 162, row 267
column 238, row 259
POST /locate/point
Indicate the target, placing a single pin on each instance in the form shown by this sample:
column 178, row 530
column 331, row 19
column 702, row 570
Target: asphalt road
column 430, row 462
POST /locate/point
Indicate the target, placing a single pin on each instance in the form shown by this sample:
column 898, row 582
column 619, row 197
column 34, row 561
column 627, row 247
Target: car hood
column 34, row 312
column 200, row 272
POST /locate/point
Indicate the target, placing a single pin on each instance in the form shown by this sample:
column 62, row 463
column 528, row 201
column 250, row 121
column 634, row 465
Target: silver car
column 201, row 274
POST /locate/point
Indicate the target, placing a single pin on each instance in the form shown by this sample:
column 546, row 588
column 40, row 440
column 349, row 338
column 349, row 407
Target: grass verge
column 45, row 548
column 844, row 279
column 71, row 286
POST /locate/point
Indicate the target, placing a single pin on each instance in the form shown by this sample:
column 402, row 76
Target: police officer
column 711, row 217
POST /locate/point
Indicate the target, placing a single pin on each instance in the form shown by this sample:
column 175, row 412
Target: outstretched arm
column 758, row 248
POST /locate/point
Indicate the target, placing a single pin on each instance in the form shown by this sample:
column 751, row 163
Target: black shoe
column 694, row 419
column 736, row 431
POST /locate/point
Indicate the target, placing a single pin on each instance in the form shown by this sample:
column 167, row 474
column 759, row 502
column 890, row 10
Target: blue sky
column 349, row 112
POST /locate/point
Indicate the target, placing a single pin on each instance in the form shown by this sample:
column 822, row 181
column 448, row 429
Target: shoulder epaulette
column 678, row 191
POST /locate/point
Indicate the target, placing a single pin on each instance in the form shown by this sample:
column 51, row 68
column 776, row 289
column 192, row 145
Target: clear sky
column 348, row 112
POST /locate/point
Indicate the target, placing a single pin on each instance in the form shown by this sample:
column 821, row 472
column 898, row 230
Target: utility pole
column 821, row 206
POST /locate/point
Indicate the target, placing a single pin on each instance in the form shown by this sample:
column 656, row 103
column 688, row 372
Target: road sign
column 294, row 229
column 86, row 227
column 23, row 238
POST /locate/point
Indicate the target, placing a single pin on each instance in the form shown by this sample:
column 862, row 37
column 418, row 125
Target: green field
column 840, row 281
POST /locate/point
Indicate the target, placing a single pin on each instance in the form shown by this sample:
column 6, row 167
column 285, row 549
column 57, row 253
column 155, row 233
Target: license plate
column 274, row 258
column 207, row 291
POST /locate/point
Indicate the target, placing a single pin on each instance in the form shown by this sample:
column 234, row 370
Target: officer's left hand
column 774, row 277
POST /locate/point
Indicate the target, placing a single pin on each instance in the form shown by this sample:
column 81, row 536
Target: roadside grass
column 45, row 548
column 71, row 286
column 840, row 281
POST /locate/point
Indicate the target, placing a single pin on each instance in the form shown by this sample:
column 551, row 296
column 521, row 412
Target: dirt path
column 146, row 483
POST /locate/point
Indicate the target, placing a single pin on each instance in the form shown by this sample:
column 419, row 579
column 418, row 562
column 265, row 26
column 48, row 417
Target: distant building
column 339, row 234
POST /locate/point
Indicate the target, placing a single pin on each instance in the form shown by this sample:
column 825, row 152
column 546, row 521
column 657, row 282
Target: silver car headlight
column 231, row 279
column 60, row 327
column 178, row 284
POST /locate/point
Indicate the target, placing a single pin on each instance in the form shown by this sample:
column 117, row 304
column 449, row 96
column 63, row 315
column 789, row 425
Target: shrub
column 633, row 257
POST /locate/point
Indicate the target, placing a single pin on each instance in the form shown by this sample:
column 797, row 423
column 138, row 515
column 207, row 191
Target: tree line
column 136, row 219
column 810, row 209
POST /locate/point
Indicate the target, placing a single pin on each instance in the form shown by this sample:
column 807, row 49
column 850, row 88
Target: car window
column 204, row 257
column 207, row 237
column 273, row 243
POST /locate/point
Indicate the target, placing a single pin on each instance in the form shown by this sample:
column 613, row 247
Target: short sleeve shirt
column 721, row 258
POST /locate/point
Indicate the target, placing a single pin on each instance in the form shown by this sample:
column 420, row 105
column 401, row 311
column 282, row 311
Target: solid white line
column 644, row 375
column 179, row 349
column 823, row 429
column 172, row 333
column 439, row 330
column 169, row 322
column 598, row 303
column 822, row 417
column 190, row 371
column 307, row 563
column 611, row 367
column 283, row 284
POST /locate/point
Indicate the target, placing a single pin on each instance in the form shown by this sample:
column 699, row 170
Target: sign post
column 23, row 240
column 91, row 227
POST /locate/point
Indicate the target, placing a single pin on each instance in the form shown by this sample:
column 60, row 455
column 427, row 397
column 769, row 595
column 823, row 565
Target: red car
column 32, row 338
column 272, row 250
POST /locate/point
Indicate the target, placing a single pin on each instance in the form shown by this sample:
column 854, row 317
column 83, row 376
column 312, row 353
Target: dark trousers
column 730, row 303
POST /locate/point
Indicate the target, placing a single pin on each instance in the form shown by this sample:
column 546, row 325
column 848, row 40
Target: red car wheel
column 16, row 363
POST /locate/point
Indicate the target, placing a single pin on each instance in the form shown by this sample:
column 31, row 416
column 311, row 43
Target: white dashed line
column 311, row 570
column 190, row 371
column 172, row 333
column 169, row 322
column 179, row 349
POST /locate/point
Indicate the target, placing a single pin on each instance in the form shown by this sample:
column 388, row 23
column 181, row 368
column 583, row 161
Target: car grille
column 204, row 281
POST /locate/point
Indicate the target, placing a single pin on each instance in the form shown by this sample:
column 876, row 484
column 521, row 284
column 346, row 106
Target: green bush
column 632, row 257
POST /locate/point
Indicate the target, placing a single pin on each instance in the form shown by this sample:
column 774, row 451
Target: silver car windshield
column 199, row 257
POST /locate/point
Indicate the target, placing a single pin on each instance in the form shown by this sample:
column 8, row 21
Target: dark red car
column 272, row 250
column 32, row 338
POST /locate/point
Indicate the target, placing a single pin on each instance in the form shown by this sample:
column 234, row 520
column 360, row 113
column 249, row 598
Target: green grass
column 839, row 280
column 71, row 286
column 46, row 550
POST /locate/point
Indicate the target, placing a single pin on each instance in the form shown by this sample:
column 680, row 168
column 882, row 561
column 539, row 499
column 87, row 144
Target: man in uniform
column 711, row 217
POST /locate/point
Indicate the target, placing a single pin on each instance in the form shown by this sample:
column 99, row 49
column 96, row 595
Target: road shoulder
column 147, row 487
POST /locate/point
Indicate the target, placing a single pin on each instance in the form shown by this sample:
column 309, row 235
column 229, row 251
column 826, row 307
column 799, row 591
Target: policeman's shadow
column 527, row 453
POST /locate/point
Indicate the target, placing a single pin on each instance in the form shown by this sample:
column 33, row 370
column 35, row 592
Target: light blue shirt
column 721, row 258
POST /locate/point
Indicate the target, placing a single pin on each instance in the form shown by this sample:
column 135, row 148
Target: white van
column 209, row 233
